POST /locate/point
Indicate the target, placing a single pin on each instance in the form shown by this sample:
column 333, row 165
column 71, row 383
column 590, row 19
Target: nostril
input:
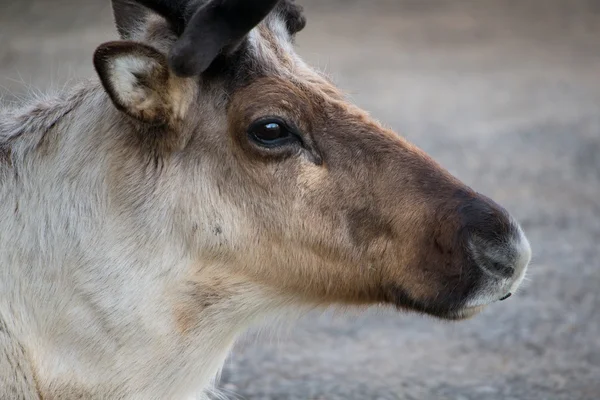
column 506, row 297
column 492, row 259
column 502, row 269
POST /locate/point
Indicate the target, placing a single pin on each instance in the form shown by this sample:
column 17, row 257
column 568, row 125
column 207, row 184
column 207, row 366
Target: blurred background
column 506, row 95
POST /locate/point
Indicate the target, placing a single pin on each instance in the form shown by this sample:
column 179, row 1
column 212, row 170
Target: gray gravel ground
column 506, row 94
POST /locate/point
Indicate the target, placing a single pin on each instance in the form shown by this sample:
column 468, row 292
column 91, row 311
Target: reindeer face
column 302, row 191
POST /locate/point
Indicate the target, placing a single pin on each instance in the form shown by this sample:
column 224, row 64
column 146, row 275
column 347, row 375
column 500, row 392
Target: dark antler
column 214, row 27
column 206, row 28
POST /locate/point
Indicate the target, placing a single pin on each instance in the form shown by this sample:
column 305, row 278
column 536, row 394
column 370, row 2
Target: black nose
column 489, row 234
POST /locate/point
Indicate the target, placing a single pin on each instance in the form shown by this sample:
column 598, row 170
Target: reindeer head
column 281, row 182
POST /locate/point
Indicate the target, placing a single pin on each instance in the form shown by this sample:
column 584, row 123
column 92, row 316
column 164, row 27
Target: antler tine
column 295, row 16
column 214, row 27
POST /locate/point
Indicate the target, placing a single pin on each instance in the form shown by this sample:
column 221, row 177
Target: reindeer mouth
column 448, row 309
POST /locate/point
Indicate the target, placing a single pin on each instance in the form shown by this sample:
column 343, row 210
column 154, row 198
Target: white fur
column 126, row 84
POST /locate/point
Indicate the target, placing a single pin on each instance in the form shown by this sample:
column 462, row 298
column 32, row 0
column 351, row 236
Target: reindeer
column 208, row 180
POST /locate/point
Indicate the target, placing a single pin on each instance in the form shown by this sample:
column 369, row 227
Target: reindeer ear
column 129, row 16
column 138, row 80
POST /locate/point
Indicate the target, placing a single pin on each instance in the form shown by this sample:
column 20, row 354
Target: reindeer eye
column 271, row 132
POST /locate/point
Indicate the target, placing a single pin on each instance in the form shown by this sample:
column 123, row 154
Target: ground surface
column 506, row 94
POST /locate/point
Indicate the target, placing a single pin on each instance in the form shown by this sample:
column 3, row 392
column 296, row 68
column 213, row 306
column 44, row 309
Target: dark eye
column 270, row 132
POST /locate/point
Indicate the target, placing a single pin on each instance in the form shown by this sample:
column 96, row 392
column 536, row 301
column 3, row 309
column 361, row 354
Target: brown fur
column 357, row 193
